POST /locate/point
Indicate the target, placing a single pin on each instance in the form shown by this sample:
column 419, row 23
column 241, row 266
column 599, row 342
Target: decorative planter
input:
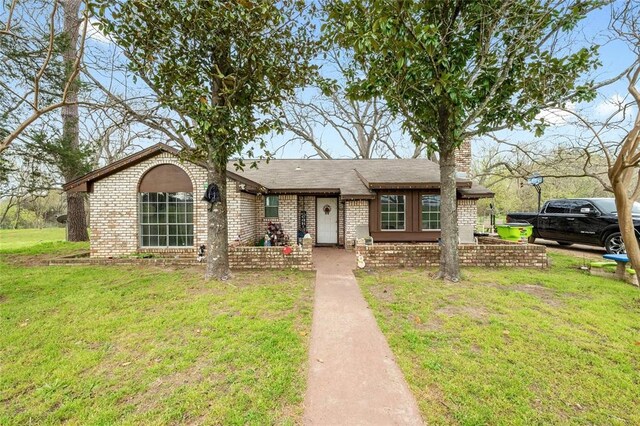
column 515, row 231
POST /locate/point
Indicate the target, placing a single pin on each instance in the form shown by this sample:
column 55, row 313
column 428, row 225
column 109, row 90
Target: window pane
column 271, row 206
column 430, row 212
column 392, row 212
column 272, row 200
column 166, row 219
column 271, row 212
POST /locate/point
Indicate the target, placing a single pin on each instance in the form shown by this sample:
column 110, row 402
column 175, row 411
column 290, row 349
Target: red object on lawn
column 287, row 250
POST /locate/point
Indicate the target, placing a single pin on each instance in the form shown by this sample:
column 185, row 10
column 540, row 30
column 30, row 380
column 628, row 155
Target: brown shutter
column 166, row 178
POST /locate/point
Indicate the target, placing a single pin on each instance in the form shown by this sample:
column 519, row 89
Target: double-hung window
column 271, row 206
column 393, row 212
column 430, row 212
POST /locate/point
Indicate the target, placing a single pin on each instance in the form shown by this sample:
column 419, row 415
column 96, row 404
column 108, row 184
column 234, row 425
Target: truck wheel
column 614, row 244
column 564, row 243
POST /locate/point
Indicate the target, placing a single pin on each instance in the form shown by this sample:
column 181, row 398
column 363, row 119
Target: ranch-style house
column 151, row 201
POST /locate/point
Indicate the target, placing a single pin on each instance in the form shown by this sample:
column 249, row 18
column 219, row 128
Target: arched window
column 166, row 208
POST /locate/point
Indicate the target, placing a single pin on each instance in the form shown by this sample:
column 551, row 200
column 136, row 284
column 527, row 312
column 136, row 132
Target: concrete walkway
column 353, row 378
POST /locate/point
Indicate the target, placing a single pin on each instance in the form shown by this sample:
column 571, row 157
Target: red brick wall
column 489, row 252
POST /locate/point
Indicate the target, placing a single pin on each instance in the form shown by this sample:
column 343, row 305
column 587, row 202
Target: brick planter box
column 240, row 258
column 489, row 252
column 243, row 257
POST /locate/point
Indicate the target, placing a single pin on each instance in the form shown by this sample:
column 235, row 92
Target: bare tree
column 26, row 93
column 365, row 129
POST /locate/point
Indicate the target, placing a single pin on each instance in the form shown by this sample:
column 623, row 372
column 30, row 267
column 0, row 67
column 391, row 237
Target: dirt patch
column 435, row 395
column 476, row 313
column 38, row 259
column 163, row 387
column 475, row 349
column 383, row 293
column 29, row 260
column 3, row 298
column 539, row 291
column 434, row 324
column 545, row 294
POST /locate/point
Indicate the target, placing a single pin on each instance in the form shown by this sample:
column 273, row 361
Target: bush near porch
column 143, row 345
column 509, row 346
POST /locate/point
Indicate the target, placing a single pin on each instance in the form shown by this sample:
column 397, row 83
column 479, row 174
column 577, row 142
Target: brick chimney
column 463, row 158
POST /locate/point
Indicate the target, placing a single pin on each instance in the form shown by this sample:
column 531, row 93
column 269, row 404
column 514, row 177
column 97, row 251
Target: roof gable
column 82, row 183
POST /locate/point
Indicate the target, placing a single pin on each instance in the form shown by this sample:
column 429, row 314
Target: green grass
column 11, row 239
column 133, row 345
column 511, row 346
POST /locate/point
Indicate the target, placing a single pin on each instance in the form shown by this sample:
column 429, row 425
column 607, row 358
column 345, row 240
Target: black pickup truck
column 591, row 221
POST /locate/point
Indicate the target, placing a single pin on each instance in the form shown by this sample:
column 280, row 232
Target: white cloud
column 95, row 34
column 609, row 106
column 556, row 117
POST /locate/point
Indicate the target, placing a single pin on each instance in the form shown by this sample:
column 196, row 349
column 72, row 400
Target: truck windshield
column 609, row 206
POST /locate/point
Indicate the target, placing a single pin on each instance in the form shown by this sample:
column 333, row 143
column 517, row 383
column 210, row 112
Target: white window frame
column 185, row 223
column 404, row 213
column 268, row 206
column 421, row 212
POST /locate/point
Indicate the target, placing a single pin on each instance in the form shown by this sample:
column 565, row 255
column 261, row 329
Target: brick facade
column 489, row 252
column 114, row 210
column 308, row 203
column 467, row 212
column 463, row 158
column 341, row 222
column 356, row 213
column 242, row 226
column 287, row 216
column 114, row 219
column 114, row 207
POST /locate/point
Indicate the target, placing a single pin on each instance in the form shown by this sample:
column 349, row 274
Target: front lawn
column 143, row 345
column 11, row 239
column 512, row 346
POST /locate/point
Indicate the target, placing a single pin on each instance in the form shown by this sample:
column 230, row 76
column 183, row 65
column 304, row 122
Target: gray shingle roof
column 350, row 178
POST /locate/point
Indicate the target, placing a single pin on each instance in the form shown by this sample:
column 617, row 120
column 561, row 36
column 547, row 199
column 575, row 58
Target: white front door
column 327, row 218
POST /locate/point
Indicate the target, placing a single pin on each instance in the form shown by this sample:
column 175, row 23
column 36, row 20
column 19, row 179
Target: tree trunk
column 449, row 263
column 76, row 216
column 625, row 221
column 217, row 231
column 76, row 223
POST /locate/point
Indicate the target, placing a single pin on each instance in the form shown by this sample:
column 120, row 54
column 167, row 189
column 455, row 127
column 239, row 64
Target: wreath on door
column 326, row 209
